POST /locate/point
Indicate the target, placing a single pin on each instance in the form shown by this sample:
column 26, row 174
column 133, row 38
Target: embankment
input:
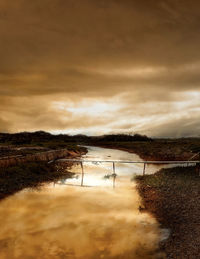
column 38, row 157
column 153, row 150
column 173, row 196
column 19, row 172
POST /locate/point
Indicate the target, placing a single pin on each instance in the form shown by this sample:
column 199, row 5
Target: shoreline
column 149, row 154
column 172, row 196
column 32, row 174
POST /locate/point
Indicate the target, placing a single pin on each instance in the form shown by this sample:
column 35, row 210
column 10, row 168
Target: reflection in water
column 97, row 173
column 74, row 222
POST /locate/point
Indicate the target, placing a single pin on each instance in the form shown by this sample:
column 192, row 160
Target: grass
column 158, row 149
column 58, row 145
column 108, row 176
column 16, row 178
column 147, row 148
column 47, row 145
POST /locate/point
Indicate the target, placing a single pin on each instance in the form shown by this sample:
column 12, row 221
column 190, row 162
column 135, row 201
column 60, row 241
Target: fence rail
column 81, row 161
column 129, row 162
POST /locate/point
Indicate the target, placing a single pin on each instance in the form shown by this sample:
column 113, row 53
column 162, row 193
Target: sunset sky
column 100, row 66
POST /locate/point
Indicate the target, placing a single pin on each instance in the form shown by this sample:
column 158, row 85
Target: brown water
column 64, row 220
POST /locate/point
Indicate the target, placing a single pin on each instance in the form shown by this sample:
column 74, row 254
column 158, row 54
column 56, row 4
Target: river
column 65, row 220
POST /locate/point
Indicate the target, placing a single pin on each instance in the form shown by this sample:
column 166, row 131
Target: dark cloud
column 68, row 51
column 190, row 126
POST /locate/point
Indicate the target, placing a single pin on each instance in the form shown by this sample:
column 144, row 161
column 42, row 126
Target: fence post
column 82, row 175
column 144, row 168
column 114, row 175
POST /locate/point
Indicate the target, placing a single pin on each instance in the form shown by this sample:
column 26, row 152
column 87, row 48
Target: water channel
column 64, row 220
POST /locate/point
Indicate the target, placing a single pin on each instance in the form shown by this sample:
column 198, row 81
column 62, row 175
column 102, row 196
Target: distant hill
column 27, row 138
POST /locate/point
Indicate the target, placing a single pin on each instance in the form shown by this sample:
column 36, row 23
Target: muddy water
column 64, row 220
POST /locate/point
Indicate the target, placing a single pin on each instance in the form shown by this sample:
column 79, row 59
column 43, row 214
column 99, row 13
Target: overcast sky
column 100, row 66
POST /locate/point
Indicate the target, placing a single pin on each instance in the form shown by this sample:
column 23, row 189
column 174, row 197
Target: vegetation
column 158, row 149
column 16, row 178
column 108, row 176
column 120, row 138
column 147, row 148
column 172, row 194
column 46, row 139
column 11, row 144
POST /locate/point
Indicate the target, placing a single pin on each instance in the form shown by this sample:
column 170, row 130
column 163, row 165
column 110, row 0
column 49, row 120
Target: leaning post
column 144, row 168
column 114, row 175
column 82, row 173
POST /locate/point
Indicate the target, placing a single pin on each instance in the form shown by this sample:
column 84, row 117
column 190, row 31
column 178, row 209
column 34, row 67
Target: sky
column 100, row 66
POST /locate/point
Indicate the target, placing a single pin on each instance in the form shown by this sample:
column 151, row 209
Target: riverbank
column 157, row 149
column 28, row 175
column 32, row 170
column 54, row 218
column 147, row 148
column 170, row 195
column 173, row 196
column 45, row 156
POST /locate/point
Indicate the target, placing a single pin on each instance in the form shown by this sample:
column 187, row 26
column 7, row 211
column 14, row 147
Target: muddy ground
column 173, row 197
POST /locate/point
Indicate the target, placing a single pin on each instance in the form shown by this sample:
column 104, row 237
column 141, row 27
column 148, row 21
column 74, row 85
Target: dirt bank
column 162, row 150
column 173, row 197
column 45, row 156
column 19, row 172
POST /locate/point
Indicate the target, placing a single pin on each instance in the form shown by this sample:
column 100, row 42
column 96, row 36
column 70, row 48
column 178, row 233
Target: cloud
column 71, row 51
column 90, row 224
column 4, row 125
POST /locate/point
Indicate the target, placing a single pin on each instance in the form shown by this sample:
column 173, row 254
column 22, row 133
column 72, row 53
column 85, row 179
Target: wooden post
column 144, row 168
column 82, row 175
column 114, row 175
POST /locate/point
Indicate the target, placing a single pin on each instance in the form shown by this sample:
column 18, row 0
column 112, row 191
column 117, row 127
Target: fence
column 114, row 162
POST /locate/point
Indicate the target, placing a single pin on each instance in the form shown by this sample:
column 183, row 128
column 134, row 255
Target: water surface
column 64, row 220
column 96, row 174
